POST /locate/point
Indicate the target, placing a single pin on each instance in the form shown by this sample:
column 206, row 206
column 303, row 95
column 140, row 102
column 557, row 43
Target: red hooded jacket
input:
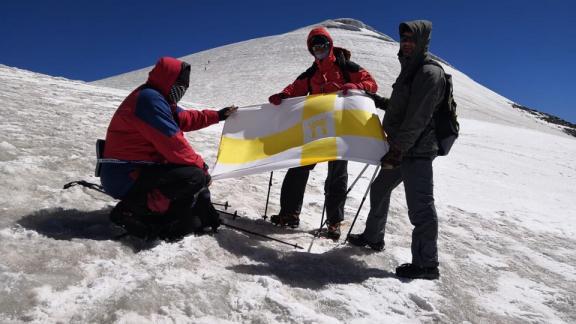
column 147, row 128
column 328, row 77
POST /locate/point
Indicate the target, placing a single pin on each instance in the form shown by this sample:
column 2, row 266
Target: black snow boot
column 124, row 216
column 360, row 240
column 291, row 220
column 408, row 270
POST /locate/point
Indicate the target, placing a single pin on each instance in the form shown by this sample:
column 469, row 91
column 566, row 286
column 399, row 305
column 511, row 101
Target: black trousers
column 417, row 175
column 185, row 188
column 335, row 186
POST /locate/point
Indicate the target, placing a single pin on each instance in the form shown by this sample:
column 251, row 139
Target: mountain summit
column 247, row 72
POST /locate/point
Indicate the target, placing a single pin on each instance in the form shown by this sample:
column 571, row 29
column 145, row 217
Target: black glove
column 225, row 112
column 379, row 102
column 392, row 159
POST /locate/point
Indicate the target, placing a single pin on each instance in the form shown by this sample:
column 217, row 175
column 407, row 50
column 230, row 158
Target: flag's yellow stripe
column 324, row 149
column 355, row 122
column 321, row 150
column 318, row 104
column 238, row 151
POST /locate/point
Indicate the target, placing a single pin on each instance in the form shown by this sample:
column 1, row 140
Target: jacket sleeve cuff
column 212, row 115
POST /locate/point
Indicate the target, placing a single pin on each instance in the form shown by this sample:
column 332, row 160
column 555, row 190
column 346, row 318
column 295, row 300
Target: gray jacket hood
column 422, row 30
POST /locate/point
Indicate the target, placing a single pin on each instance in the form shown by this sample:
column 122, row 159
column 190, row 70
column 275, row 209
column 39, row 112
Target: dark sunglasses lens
column 404, row 39
column 320, row 46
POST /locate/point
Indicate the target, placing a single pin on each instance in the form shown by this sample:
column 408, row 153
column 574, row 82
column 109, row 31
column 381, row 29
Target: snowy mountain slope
column 248, row 72
column 504, row 199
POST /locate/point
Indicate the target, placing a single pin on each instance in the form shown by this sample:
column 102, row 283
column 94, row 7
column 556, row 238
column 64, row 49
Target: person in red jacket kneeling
column 148, row 164
column 331, row 71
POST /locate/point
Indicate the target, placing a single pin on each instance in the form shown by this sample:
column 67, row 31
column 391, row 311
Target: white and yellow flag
column 300, row 131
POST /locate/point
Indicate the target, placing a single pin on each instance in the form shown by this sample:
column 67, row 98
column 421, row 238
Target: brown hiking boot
column 332, row 231
column 290, row 220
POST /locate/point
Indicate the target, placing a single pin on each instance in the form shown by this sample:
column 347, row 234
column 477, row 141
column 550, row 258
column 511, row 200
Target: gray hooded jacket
column 415, row 95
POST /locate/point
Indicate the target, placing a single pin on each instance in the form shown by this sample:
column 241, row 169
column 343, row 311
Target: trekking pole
column 235, row 215
column 362, row 203
column 225, row 205
column 262, row 235
column 322, row 222
column 268, row 195
column 357, row 178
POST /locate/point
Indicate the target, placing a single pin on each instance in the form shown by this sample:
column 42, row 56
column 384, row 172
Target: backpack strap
column 344, row 63
column 431, row 124
column 99, row 153
column 308, row 75
column 86, row 184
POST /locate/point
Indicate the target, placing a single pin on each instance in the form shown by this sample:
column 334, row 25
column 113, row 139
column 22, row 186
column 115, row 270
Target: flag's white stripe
column 357, row 101
column 274, row 119
column 361, row 149
column 269, row 118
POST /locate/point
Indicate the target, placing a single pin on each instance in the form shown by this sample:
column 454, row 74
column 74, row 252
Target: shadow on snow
column 294, row 268
column 299, row 269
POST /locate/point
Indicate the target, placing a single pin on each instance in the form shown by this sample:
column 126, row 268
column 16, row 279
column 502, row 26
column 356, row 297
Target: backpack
column 445, row 119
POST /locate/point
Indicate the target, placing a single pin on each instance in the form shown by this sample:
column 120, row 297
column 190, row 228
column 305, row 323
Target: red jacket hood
column 319, row 31
column 164, row 74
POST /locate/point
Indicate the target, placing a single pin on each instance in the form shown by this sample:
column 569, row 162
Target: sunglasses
column 318, row 47
column 406, row 38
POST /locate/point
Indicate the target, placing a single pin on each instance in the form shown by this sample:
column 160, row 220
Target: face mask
column 177, row 92
column 321, row 55
column 181, row 85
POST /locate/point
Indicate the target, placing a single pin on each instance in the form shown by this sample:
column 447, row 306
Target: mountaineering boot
column 360, row 240
column 291, row 220
column 123, row 216
column 408, row 270
column 333, row 231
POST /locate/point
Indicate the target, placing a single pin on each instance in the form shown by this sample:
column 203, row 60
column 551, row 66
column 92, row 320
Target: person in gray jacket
column 408, row 123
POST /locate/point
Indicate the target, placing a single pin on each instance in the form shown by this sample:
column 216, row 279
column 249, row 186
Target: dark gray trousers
column 335, row 186
column 417, row 175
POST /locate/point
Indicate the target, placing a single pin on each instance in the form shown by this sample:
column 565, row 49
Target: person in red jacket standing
column 149, row 165
column 332, row 71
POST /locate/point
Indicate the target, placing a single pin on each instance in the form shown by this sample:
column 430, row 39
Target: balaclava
column 322, row 41
column 181, row 85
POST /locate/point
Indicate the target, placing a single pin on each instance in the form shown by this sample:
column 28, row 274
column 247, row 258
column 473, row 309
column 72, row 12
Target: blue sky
column 524, row 50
